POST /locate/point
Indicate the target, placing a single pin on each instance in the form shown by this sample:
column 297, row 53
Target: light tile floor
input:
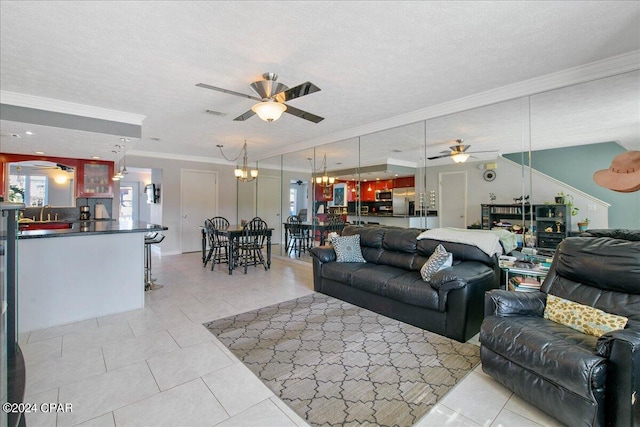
column 159, row 366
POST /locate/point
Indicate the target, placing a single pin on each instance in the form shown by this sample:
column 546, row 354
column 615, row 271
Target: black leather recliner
column 579, row 379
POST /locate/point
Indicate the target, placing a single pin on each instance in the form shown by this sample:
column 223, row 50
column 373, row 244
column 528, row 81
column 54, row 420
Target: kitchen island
column 91, row 269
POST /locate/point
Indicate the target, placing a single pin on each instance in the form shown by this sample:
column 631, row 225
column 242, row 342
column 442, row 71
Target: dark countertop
column 95, row 227
column 378, row 215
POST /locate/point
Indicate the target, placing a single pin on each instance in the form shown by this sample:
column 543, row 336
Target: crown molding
column 181, row 157
column 608, row 67
column 58, row 106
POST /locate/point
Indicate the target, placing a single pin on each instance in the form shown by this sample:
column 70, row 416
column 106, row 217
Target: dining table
column 232, row 235
column 322, row 226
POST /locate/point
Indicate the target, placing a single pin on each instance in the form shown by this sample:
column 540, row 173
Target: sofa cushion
column 411, row 289
column 375, row 279
column 342, row 272
column 558, row 353
column 370, row 237
column 348, row 249
column 460, row 251
column 582, row 318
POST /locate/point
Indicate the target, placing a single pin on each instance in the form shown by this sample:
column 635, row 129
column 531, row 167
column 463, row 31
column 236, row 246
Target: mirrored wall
column 516, row 155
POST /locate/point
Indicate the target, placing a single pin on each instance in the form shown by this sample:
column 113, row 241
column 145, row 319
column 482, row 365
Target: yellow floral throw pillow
column 583, row 318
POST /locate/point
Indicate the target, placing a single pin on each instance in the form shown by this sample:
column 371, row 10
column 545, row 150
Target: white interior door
column 453, row 199
column 269, row 204
column 199, row 201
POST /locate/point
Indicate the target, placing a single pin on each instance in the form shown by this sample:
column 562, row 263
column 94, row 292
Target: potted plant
column 583, row 225
column 563, row 198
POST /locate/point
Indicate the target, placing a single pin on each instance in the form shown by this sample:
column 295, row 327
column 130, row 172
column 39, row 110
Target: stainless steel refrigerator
column 401, row 199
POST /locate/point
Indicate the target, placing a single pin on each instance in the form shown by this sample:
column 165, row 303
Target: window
column 32, row 190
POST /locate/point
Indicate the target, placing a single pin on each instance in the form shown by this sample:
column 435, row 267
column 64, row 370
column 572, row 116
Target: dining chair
column 336, row 224
column 218, row 244
column 251, row 243
column 298, row 236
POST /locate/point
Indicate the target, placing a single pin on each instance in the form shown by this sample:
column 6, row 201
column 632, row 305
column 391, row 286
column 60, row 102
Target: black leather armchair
column 579, row 379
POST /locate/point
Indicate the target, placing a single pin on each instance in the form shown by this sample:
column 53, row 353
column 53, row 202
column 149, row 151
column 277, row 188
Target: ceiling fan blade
column 230, row 92
column 490, row 151
column 296, row 92
column 439, row 157
column 244, row 116
column 303, row 114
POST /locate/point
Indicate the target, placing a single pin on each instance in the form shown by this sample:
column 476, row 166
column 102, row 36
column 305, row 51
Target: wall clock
column 489, row 175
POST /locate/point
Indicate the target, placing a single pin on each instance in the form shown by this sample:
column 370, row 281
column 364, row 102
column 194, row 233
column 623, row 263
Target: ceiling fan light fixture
column 269, row 111
column 460, row 157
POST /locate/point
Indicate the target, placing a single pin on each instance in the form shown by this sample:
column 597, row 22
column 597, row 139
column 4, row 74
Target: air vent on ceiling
column 215, row 113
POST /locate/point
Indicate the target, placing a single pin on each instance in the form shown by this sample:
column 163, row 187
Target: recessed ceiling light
column 155, row 139
column 95, row 157
column 39, row 152
column 28, row 132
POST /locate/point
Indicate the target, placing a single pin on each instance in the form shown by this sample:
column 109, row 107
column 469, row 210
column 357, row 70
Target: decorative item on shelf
column 492, row 197
column 583, row 225
column 521, row 199
column 242, row 173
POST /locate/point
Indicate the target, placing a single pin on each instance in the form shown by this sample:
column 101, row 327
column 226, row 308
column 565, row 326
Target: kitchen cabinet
column 368, row 191
column 94, row 179
column 406, row 181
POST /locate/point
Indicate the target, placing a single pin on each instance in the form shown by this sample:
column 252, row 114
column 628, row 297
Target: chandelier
column 325, row 180
column 243, row 174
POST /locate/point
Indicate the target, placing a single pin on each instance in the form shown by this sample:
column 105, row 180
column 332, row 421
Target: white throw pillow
column 438, row 260
column 348, row 248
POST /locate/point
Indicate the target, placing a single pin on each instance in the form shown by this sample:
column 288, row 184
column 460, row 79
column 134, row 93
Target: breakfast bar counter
column 87, row 270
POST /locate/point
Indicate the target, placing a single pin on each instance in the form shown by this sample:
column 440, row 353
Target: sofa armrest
column 444, row 281
column 511, row 303
column 323, row 253
column 622, row 349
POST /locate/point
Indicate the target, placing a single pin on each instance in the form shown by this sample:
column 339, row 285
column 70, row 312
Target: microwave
column 382, row 195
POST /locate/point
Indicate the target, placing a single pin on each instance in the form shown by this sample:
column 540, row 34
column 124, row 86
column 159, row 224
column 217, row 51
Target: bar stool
column 150, row 239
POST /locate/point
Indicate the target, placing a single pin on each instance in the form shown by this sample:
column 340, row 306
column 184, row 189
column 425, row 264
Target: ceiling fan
column 271, row 99
column 458, row 152
column 57, row 166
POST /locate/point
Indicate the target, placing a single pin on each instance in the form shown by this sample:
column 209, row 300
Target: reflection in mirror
column 462, row 192
column 268, row 196
column 40, row 183
column 336, row 179
column 297, row 201
column 391, row 165
column 578, row 130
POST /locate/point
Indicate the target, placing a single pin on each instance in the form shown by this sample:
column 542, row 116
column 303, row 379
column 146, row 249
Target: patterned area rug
column 337, row 364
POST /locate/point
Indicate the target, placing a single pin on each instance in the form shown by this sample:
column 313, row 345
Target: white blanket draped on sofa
column 488, row 241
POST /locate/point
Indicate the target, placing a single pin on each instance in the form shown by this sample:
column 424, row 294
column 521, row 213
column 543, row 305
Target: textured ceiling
column 372, row 60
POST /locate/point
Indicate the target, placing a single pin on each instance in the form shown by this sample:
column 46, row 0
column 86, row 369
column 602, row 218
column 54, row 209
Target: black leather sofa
column 579, row 379
column 389, row 282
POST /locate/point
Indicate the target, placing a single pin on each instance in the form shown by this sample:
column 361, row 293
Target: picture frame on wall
column 339, row 195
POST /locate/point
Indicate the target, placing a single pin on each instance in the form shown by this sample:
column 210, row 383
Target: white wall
column 166, row 175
